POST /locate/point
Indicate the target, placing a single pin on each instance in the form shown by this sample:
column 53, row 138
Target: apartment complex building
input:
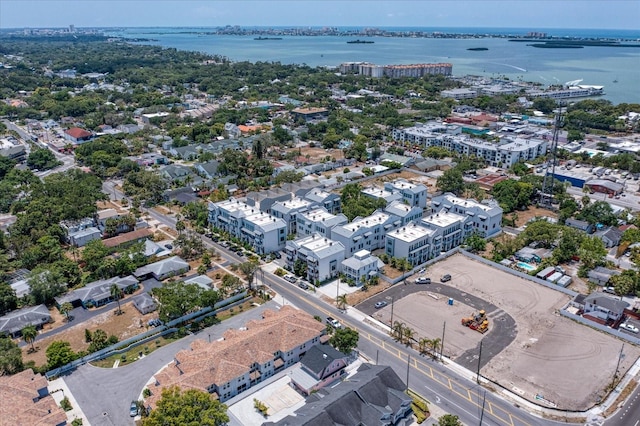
column 505, row 153
column 365, row 233
column 319, row 221
column 265, row 233
column 396, row 71
column 412, row 242
column 361, row 267
column 322, row 256
column 405, row 212
column 330, row 201
column 243, row 358
column 485, row 218
column 451, row 229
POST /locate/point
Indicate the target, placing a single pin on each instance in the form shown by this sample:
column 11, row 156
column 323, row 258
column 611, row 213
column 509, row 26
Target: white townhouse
column 361, row 267
column 322, row 256
column 289, row 211
column 265, row 233
column 405, row 212
column 414, row 194
column 381, row 194
column 451, row 229
column 330, row 201
column 319, row 221
column 485, row 217
column 413, row 242
column 365, row 233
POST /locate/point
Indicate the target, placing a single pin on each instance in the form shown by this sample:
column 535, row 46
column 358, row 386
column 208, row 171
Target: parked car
column 422, row 271
column 168, row 246
column 333, row 322
column 133, row 409
column 277, row 255
column 445, row 278
column 303, row 285
column 380, row 304
column 292, row 279
column 629, row 327
column 423, row 280
column 155, row 322
column 610, row 290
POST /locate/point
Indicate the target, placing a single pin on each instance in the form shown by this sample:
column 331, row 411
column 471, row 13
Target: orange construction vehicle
column 478, row 321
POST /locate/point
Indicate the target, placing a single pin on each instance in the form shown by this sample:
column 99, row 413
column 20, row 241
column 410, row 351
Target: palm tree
column 180, row 226
column 341, row 301
column 397, row 330
column 422, row 345
column 408, row 334
column 29, row 334
column 65, row 308
column 116, row 293
column 434, row 344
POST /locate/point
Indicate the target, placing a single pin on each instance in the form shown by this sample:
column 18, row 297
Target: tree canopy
column 187, row 408
column 355, row 203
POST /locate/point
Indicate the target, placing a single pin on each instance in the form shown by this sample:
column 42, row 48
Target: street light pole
column 442, row 341
column 479, row 358
column 391, row 313
column 408, row 362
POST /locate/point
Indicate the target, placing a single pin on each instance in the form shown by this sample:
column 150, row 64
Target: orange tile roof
column 219, row 362
column 20, row 403
column 127, row 237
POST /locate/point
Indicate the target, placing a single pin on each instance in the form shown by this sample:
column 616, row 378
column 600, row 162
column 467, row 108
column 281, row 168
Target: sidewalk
column 58, row 390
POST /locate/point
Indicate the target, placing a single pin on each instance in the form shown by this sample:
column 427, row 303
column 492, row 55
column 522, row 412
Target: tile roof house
column 77, row 135
column 13, row 322
column 244, row 357
column 375, row 396
column 98, row 293
column 163, row 269
column 319, row 367
column 26, row 401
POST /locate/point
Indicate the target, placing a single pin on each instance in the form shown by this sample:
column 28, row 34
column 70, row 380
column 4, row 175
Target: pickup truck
column 333, row 322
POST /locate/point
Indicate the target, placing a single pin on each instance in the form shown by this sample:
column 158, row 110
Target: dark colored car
column 445, row 278
column 277, row 255
column 303, row 285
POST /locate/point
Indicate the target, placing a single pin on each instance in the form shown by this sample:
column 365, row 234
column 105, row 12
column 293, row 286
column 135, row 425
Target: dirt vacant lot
column 568, row 364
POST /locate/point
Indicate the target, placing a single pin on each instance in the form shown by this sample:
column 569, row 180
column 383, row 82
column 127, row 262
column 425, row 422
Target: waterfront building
column 320, row 221
column 486, row 218
column 459, row 93
column 323, row 257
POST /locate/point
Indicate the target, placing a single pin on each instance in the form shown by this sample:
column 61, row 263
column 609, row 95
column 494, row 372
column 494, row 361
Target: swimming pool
column 526, row 266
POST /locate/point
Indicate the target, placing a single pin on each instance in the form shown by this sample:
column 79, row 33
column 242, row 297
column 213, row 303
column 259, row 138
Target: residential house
column 19, row 281
column 202, row 281
column 98, row 293
column 187, row 153
column 365, row 233
column 208, row 170
column 530, row 254
column 289, row 212
column 242, row 358
column 80, row 232
column 128, row 238
column 413, row 194
column 328, row 200
column 77, row 135
column 310, row 114
column 486, row 218
column 12, row 323
column 374, row 396
column 601, row 275
column 322, row 257
column 321, row 366
column 26, row 401
column 581, row 225
column 175, row 172
column 603, row 307
column 415, row 243
column 319, row 221
column 610, row 236
column 112, row 222
column 181, row 196
column 162, row 269
column 144, row 303
column 405, row 212
column 361, row 267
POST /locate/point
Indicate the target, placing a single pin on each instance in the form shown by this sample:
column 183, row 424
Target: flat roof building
column 361, row 267
column 365, row 233
column 412, row 242
column 320, row 221
column 486, row 218
column 414, row 194
column 321, row 255
column 289, row 212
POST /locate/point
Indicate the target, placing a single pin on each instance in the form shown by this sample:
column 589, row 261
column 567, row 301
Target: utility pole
column 479, row 358
column 391, row 324
column 442, row 341
column 484, row 398
column 377, row 352
column 615, row 375
column 338, row 291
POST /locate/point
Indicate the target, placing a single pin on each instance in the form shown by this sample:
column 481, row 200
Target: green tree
column 355, row 203
column 230, row 283
column 190, row 407
column 59, row 353
column 29, row 334
column 513, row 195
column 65, row 308
column 248, row 269
column 42, row 159
column 116, row 293
column 288, row 176
column 8, row 298
column 568, row 244
column 94, row 254
column 451, row 181
column 341, row 301
column 598, row 212
column 449, row 420
column 592, row 252
column 45, row 285
column 475, row 243
column 10, row 357
column 345, row 339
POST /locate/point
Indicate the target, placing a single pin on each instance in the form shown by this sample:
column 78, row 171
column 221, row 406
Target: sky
column 529, row 14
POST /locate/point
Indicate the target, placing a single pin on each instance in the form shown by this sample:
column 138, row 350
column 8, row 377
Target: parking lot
column 551, row 357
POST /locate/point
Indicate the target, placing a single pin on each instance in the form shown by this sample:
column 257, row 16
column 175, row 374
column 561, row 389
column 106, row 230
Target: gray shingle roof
column 17, row 320
column 320, row 357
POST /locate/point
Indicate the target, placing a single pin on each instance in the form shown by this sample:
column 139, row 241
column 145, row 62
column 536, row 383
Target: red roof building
column 77, row 135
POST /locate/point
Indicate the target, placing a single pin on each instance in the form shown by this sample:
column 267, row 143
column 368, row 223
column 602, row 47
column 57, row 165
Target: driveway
column 104, row 394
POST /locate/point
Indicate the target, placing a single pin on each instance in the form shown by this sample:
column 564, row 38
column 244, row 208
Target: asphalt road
column 104, row 394
column 499, row 336
column 450, row 391
column 629, row 414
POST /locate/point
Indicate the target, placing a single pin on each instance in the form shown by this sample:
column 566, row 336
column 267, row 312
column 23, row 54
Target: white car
column 629, row 327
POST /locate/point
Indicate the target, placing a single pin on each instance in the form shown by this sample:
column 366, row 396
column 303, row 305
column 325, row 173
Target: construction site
column 529, row 350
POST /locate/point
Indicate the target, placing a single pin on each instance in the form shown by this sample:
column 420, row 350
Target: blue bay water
column 517, row 61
